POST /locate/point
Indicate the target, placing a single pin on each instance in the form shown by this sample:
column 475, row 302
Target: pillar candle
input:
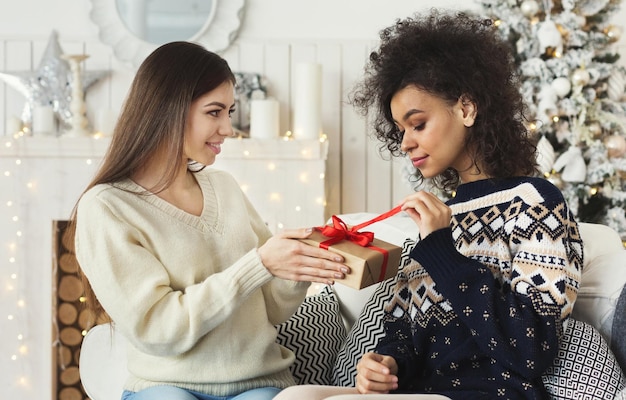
column 43, row 121
column 264, row 119
column 307, row 105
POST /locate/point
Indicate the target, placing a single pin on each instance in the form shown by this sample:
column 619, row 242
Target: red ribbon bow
column 339, row 231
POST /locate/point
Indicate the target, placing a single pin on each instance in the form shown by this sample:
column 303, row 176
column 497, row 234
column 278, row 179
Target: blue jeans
column 174, row 393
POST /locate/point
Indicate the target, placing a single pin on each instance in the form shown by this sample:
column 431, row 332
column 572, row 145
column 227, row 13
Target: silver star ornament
column 50, row 84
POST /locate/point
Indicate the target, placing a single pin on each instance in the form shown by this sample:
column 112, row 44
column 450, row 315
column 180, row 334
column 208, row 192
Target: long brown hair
column 153, row 119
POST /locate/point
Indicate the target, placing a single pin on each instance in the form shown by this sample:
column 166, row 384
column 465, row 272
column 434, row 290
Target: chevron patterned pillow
column 315, row 334
column 367, row 329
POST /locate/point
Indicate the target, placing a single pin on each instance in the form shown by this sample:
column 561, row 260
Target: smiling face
column 208, row 123
column 434, row 132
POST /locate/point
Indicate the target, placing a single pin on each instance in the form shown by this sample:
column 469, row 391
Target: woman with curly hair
column 480, row 310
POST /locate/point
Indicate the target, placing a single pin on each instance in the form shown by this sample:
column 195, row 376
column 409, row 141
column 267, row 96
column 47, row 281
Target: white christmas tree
column 575, row 90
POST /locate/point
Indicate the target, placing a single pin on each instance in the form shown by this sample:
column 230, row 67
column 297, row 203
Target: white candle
column 264, row 119
column 307, row 105
column 43, row 121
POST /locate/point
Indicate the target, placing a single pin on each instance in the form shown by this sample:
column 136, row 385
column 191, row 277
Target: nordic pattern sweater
column 480, row 311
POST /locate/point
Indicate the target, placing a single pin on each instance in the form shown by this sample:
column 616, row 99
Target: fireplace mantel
column 236, row 148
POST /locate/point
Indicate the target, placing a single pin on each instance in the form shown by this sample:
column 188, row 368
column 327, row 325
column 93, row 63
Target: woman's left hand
column 288, row 258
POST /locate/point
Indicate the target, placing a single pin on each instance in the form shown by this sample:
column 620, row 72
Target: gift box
column 370, row 260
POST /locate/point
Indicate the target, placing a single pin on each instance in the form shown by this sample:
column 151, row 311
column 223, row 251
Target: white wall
column 274, row 35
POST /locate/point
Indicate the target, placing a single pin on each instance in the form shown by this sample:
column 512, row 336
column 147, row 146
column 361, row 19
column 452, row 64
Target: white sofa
column 331, row 329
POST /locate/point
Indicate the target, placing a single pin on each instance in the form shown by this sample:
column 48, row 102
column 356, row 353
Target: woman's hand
column 428, row 212
column 376, row 373
column 288, row 258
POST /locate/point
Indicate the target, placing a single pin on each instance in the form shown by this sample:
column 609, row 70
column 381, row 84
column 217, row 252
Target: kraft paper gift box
column 367, row 263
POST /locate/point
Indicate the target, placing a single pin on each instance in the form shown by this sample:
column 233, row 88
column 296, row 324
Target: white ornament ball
column 615, row 145
column 580, row 77
column 561, row 86
column 529, row 8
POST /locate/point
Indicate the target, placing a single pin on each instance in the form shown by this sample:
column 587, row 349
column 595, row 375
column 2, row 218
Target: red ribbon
column 339, row 231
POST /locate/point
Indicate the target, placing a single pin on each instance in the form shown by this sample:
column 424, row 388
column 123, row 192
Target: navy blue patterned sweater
column 479, row 312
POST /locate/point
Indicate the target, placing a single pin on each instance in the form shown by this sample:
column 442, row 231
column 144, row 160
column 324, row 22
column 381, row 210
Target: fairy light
column 23, row 182
column 15, row 307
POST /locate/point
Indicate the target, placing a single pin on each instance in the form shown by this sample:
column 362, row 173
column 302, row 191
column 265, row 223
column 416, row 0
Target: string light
column 22, row 213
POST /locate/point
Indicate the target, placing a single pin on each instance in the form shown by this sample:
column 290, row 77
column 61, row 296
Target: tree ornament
column 572, row 164
column 591, row 7
column 616, row 85
column 595, row 129
column 546, row 108
column 556, row 180
column 580, row 77
column 529, row 8
column 545, row 155
column 613, row 33
column 561, row 86
column 550, row 39
column 615, row 146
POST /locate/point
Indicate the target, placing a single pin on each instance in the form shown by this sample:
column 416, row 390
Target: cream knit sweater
column 190, row 293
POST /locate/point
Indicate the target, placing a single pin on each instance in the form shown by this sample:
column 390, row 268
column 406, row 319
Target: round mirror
column 134, row 28
column 162, row 21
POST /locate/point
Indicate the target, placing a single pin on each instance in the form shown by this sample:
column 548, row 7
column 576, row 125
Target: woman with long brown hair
column 175, row 254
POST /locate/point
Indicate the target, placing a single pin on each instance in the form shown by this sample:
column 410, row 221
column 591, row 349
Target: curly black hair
column 451, row 55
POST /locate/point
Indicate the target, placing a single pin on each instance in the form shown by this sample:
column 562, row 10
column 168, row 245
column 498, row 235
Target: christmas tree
column 575, row 90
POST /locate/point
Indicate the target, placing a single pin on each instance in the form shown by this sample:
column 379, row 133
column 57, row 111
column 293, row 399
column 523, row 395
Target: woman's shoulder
column 543, row 187
column 107, row 193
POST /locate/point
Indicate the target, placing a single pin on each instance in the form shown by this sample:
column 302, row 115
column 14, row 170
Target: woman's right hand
column 428, row 212
column 376, row 373
column 288, row 258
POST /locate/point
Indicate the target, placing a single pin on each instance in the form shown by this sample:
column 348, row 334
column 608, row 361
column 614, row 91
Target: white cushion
column 103, row 363
column 598, row 239
column 602, row 282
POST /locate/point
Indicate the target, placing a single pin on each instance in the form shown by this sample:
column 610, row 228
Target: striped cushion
column 315, row 334
column 367, row 329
